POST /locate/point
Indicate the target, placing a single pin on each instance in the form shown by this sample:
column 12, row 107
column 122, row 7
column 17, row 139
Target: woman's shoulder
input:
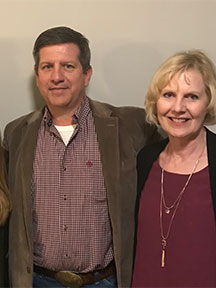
column 152, row 149
column 149, row 154
column 210, row 133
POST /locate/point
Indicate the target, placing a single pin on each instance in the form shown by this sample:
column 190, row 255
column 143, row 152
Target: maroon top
column 191, row 246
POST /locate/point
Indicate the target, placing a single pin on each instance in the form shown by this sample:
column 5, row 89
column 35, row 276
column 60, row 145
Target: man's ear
column 88, row 75
column 36, row 76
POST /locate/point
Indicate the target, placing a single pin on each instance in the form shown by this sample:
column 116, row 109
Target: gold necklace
column 168, row 208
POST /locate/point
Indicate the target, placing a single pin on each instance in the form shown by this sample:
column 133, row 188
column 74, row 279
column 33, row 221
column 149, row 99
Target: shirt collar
column 79, row 116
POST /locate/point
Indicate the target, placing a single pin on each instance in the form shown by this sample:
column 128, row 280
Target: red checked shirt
column 71, row 223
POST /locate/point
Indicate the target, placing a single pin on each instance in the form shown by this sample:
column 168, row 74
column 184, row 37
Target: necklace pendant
column 167, row 210
column 164, row 243
column 163, row 258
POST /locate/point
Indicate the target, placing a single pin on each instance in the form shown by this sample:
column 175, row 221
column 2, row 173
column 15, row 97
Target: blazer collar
column 107, row 130
column 28, row 145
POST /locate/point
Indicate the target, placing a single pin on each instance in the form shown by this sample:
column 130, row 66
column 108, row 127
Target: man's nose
column 57, row 75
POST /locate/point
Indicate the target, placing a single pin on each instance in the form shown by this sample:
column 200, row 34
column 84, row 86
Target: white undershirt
column 66, row 132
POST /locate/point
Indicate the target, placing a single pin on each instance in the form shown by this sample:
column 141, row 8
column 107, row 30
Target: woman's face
column 182, row 105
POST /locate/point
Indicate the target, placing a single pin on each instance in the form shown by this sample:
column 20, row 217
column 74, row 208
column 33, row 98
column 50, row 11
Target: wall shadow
column 37, row 99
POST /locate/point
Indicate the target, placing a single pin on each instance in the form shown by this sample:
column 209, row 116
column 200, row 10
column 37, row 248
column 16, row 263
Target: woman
column 176, row 210
column 4, row 210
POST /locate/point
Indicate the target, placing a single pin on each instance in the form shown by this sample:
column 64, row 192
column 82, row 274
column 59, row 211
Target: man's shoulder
column 131, row 120
column 23, row 120
column 119, row 111
column 129, row 111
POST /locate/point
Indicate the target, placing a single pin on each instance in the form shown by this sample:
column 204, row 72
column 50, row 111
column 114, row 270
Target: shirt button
column 65, row 168
column 65, row 227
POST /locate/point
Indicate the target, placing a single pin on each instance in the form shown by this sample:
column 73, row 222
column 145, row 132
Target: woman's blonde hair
column 178, row 63
column 4, row 193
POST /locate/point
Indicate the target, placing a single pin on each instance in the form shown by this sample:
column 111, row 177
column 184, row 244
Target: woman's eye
column 192, row 96
column 167, row 94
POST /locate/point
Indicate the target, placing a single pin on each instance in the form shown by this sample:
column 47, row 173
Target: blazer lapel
column 107, row 130
column 28, row 145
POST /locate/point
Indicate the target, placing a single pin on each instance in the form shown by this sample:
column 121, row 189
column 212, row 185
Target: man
column 72, row 176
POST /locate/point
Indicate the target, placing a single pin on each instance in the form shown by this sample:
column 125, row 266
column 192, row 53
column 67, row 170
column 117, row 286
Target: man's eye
column 46, row 67
column 69, row 66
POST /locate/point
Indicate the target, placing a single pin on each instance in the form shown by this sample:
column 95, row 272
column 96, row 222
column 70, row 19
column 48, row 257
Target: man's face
column 60, row 77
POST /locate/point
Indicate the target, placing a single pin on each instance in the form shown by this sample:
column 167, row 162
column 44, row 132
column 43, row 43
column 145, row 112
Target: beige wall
column 128, row 38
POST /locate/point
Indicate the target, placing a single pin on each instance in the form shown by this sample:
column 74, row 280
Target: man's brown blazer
column 121, row 132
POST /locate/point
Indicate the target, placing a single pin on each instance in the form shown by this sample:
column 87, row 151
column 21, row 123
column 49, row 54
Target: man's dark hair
column 61, row 35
